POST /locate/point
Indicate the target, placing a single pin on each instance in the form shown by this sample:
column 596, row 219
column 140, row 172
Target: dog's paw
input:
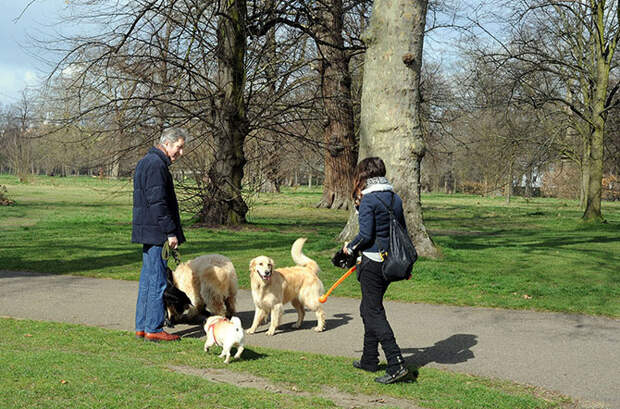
column 318, row 329
column 297, row 325
column 271, row 332
column 250, row 331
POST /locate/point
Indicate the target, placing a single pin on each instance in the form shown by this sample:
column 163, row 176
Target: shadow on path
column 452, row 350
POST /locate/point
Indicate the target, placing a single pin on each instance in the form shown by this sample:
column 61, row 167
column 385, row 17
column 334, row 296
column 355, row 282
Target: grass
column 529, row 254
column 49, row 365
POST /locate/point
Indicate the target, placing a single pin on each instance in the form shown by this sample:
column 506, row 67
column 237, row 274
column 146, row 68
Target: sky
column 20, row 65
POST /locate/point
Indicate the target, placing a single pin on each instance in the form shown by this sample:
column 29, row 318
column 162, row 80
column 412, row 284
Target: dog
column 175, row 300
column 210, row 283
column 272, row 288
column 225, row 333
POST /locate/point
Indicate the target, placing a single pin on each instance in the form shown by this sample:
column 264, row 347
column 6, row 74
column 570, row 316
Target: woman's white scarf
column 378, row 184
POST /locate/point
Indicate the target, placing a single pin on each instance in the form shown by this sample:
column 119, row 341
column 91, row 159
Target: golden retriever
column 210, row 282
column 272, row 288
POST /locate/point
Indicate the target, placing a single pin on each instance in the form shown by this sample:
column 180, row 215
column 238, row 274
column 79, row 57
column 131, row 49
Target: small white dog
column 225, row 333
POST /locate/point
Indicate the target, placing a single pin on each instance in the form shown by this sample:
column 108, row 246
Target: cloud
column 14, row 80
column 18, row 66
column 31, row 78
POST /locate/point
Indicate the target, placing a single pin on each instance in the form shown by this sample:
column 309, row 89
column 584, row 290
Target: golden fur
column 272, row 288
column 210, row 282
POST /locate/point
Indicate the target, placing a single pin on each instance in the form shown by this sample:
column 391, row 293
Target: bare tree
column 338, row 123
column 565, row 52
column 16, row 132
column 224, row 204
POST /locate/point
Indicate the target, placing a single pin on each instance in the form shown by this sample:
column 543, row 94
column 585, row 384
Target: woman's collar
column 378, row 187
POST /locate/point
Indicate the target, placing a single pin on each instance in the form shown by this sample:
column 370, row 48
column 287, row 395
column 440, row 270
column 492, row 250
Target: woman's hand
column 346, row 250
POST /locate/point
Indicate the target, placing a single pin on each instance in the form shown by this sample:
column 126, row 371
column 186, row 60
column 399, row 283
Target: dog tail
column 300, row 258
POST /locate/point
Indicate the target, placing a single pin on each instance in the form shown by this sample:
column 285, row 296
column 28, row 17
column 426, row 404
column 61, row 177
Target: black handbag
column 398, row 261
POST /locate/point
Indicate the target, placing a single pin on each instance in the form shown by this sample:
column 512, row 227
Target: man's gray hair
column 172, row 135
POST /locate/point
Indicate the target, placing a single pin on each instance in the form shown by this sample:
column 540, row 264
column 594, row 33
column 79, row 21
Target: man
column 156, row 220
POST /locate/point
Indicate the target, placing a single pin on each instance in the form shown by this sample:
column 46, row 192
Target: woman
column 370, row 187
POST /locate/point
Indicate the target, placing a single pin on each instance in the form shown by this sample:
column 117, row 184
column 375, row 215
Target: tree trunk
column 604, row 54
column 593, row 194
column 508, row 187
column 352, row 227
column 391, row 127
column 270, row 162
column 338, row 132
column 223, row 203
column 585, row 178
column 528, row 183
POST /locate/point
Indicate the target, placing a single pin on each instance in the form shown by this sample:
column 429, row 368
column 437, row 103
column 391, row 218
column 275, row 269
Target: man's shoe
column 160, row 336
column 368, row 368
column 397, row 376
column 139, row 334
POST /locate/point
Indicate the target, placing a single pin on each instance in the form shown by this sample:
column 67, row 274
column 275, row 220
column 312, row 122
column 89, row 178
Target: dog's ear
column 252, row 264
column 271, row 263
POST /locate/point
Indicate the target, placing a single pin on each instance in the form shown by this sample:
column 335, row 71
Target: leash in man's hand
column 166, row 252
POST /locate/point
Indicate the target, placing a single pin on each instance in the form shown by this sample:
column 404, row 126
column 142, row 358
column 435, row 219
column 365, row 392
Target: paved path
column 576, row 355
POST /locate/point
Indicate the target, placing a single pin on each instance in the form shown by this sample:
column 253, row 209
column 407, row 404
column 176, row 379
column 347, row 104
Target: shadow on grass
column 21, row 274
column 523, row 239
column 452, row 350
column 63, row 265
column 131, row 253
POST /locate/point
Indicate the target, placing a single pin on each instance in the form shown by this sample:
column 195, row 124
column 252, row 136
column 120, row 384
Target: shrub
column 4, row 200
column 611, row 188
column 563, row 180
column 472, row 188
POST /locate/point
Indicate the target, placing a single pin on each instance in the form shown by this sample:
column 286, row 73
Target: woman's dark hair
column 367, row 168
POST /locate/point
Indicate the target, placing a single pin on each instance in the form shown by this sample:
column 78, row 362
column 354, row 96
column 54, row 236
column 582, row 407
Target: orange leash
column 323, row 298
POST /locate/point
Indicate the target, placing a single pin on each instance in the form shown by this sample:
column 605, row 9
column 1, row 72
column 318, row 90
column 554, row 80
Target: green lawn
column 533, row 254
column 49, row 365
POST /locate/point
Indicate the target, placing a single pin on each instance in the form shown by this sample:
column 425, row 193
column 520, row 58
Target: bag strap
column 389, row 209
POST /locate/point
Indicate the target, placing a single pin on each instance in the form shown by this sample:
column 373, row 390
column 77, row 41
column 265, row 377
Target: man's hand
column 173, row 242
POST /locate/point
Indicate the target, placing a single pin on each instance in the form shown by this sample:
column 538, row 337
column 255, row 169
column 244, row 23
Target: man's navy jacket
column 155, row 208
